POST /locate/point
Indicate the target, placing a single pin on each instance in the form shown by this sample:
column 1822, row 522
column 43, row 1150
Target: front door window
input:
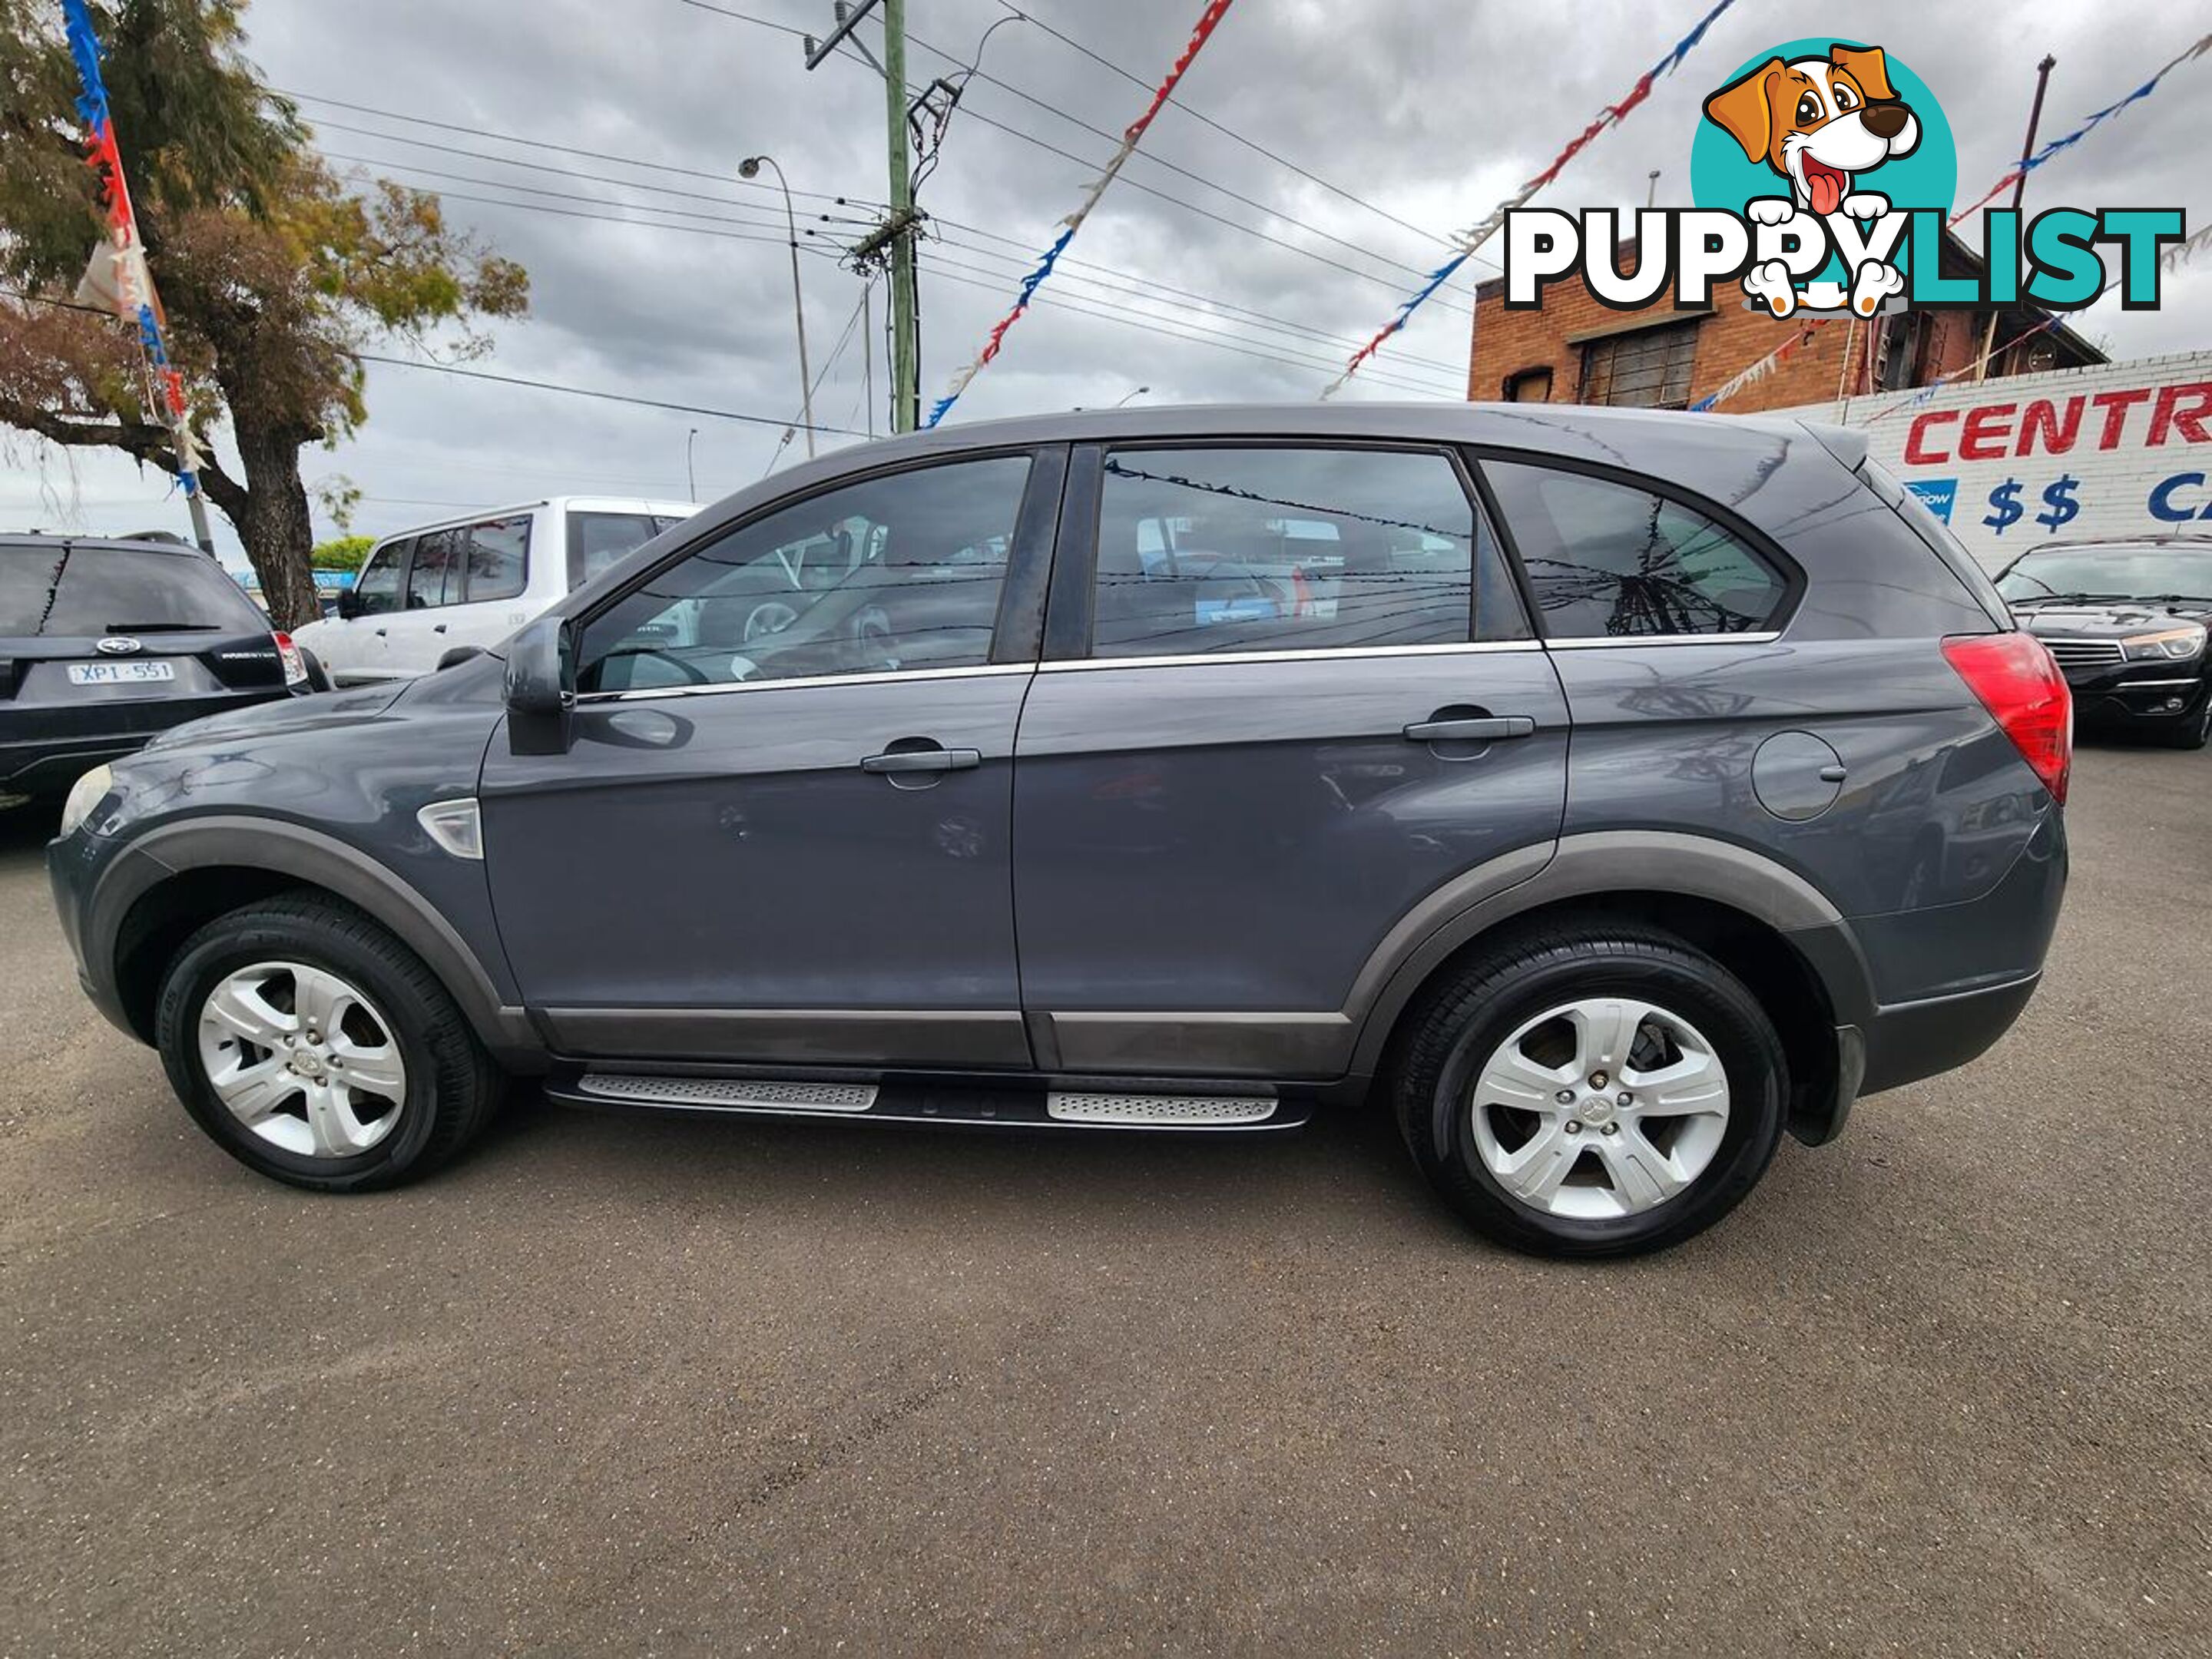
column 895, row 574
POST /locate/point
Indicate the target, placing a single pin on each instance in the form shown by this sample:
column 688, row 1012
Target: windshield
column 2126, row 572
column 60, row 589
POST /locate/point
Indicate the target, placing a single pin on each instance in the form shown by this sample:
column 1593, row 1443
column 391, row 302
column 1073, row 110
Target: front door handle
column 923, row 760
column 1486, row 729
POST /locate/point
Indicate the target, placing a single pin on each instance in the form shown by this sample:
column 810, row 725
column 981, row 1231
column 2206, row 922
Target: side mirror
column 541, row 687
column 350, row 604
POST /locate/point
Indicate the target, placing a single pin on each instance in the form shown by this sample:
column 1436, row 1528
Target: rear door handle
column 1487, row 729
column 923, row 760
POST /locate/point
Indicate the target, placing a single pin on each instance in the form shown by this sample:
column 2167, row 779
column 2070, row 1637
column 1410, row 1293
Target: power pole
column 906, row 333
column 894, row 237
column 2019, row 189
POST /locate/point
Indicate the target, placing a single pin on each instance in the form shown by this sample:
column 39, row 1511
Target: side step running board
column 728, row 1094
column 999, row 1105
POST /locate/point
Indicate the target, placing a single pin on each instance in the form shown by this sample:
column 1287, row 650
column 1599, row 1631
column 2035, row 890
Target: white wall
column 2139, row 451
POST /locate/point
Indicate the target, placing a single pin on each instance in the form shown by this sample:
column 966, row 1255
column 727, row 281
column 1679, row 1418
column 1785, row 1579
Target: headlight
column 93, row 788
column 2178, row 643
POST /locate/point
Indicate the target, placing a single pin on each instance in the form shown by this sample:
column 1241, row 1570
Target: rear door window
column 1229, row 550
column 499, row 558
column 70, row 590
column 1607, row 560
column 597, row 540
column 435, row 578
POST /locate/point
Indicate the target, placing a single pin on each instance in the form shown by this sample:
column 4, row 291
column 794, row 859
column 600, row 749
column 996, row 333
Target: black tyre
column 318, row 678
column 316, row 1049
column 1591, row 1089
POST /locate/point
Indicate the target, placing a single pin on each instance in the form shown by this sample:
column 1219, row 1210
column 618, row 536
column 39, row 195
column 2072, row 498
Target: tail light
column 295, row 666
column 2020, row 684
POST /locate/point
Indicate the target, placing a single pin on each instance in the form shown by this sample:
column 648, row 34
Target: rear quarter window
column 1908, row 506
column 72, row 590
column 1608, row 560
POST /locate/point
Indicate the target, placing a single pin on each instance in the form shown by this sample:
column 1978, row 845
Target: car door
column 794, row 847
column 1290, row 696
column 353, row 644
column 419, row 632
column 496, row 569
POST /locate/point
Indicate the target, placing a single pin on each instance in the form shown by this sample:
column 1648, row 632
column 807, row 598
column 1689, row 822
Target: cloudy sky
column 1323, row 151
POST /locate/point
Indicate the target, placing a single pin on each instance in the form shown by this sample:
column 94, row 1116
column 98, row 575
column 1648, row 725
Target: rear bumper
column 1908, row 1041
column 43, row 749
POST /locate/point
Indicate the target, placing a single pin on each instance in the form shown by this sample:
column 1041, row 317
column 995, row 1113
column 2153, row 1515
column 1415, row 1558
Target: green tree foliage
column 345, row 553
column 272, row 273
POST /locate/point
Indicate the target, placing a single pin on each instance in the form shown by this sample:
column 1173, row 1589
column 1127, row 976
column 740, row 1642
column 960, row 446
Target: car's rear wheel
column 1592, row 1090
column 314, row 1046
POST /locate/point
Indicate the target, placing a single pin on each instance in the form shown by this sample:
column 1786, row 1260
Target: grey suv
column 1603, row 792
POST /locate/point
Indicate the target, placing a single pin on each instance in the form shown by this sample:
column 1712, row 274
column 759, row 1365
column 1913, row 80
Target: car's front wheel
column 1592, row 1090
column 314, row 1046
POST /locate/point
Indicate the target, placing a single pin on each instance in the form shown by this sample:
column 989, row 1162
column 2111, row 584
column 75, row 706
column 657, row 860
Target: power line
column 1138, row 285
column 1070, row 261
column 607, row 396
column 1156, row 160
column 1128, row 75
column 535, row 143
column 936, row 267
column 1145, row 320
column 1093, row 167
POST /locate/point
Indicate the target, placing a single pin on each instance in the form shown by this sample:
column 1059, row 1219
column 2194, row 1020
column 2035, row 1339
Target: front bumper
column 2139, row 693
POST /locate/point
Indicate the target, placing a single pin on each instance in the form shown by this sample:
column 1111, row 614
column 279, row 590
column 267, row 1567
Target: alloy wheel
column 303, row 1059
column 1601, row 1108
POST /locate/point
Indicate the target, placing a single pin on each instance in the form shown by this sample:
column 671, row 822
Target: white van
column 474, row 580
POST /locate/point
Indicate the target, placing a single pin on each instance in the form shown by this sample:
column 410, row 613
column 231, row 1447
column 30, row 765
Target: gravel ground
column 676, row 1386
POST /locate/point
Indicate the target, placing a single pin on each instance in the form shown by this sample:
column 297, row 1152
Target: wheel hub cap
column 1563, row 1143
column 303, row 1059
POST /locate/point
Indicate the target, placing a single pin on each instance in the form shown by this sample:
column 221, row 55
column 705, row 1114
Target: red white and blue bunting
column 1130, row 138
column 1472, row 239
column 118, row 280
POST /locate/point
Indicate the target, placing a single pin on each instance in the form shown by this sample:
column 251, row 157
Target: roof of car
column 2125, row 544
column 115, row 543
column 1570, row 430
column 1513, row 424
column 646, row 504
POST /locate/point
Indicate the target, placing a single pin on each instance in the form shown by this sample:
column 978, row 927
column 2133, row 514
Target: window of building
column 1607, row 560
column 899, row 572
column 1648, row 368
column 1231, row 550
column 1530, row 385
column 1900, row 352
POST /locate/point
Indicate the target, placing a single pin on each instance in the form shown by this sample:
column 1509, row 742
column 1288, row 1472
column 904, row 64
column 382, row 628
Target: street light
column 749, row 168
column 690, row 477
column 1133, row 392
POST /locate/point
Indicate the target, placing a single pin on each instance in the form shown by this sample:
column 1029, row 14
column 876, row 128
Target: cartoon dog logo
column 1821, row 124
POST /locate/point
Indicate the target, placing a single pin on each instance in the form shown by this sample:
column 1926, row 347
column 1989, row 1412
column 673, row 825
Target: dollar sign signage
column 2058, row 504
column 2005, row 507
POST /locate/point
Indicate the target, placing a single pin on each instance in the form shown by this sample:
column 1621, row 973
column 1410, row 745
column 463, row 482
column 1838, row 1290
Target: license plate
column 119, row 673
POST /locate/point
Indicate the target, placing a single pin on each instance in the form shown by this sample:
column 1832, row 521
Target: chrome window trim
column 1614, row 642
column 1318, row 654
column 882, row 677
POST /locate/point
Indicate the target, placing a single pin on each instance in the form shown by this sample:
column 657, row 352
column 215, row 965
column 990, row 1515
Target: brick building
column 1575, row 350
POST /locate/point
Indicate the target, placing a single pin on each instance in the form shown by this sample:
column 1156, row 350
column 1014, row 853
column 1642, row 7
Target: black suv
column 104, row 643
column 2127, row 620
